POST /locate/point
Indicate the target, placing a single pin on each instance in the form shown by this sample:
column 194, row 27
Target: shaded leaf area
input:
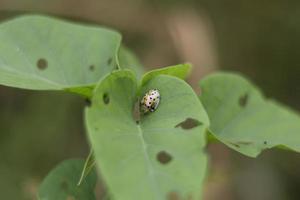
column 61, row 183
column 242, row 118
column 153, row 158
column 44, row 53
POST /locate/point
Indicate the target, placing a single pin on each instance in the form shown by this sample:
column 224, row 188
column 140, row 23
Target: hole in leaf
column 88, row 102
column 109, row 61
column 173, row 196
column 243, row 100
column 164, row 157
column 92, row 67
column 42, row 63
column 105, row 98
column 189, row 123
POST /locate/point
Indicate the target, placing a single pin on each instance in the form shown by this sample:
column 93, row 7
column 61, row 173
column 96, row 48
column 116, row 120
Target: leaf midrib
column 148, row 161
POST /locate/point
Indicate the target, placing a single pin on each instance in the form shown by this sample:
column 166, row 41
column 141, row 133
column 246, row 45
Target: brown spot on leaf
column 243, row 100
column 163, row 157
column 136, row 112
column 105, row 98
column 42, row 63
column 189, row 123
column 173, row 196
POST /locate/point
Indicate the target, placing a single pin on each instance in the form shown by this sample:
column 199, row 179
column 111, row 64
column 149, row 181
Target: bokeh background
column 259, row 38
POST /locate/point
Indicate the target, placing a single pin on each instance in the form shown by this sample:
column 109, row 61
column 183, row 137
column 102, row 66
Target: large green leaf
column 243, row 119
column 156, row 157
column 44, row 53
column 61, row 183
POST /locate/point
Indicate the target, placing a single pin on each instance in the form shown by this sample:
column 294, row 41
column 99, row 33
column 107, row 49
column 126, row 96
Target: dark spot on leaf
column 239, row 143
column 92, row 67
column 189, row 123
column 244, row 142
column 109, row 61
column 234, row 144
column 88, row 102
column 64, row 185
column 42, row 63
column 136, row 112
column 243, row 100
column 163, row 157
column 265, row 142
column 105, row 98
column 173, row 196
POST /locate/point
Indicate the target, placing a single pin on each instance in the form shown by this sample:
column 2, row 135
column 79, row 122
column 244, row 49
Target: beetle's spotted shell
column 150, row 101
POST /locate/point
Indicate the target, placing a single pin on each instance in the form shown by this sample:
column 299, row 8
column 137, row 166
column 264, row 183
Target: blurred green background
column 259, row 38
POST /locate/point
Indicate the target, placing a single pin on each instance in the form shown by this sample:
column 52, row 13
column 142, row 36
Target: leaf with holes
column 44, row 53
column 157, row 156
column 61, row 183
column 243, row 119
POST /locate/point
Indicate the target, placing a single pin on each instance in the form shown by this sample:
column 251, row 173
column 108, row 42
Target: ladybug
column 150, row 101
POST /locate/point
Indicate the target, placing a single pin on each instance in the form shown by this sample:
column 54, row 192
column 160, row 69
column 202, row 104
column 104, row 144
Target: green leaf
column 61, row 183
column 128, row 60
column 44, row 53
column 156, row 157
column 181, row 71
column 242, row 118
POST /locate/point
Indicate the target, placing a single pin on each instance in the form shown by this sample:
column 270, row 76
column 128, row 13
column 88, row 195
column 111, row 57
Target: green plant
column 151, row 156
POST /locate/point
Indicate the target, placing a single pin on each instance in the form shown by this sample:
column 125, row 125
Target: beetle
column 150, row 101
